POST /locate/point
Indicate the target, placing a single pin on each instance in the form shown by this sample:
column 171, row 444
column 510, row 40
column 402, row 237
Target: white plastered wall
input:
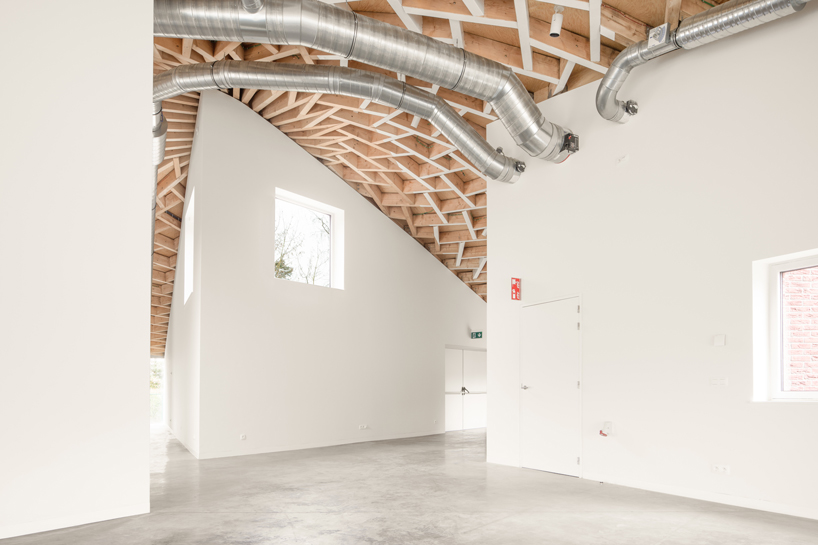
column 656, row 224
column 75, row 186
column 183, row 350
column 292, row 365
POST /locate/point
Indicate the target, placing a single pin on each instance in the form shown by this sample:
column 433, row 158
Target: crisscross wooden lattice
column 399, row 162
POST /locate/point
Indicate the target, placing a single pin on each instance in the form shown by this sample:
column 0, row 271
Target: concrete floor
column 435, row 489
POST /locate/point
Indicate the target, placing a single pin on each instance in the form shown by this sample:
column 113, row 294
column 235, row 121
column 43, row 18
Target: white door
column 453, row 387
column 465, row 389
column 550, row 417
column 474, row 380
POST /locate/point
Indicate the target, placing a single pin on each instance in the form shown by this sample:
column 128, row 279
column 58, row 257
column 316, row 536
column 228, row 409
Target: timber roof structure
column 398, row 162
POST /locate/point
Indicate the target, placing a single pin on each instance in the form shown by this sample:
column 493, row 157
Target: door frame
column 463, row 350
column 581, row 379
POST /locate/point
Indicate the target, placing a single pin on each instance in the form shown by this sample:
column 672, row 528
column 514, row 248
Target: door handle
column 523, row 386
column 464, row 391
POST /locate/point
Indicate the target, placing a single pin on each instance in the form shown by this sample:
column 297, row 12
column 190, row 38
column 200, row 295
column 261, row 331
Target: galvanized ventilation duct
column 708, row 26
column 322, row 26
column 160, row 135
column 309, row 78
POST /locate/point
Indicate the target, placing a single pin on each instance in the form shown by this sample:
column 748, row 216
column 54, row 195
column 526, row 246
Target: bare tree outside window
column 303, row 247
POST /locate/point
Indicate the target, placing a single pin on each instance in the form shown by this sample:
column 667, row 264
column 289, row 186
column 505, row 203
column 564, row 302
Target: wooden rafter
column 401, row 163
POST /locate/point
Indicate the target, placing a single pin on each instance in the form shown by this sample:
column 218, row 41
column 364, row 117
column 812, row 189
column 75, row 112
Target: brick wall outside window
column 800, row 334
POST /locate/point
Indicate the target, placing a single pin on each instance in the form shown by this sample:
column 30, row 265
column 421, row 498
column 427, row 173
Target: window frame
column 336, row 250
column 777, row 358
column 768, row 321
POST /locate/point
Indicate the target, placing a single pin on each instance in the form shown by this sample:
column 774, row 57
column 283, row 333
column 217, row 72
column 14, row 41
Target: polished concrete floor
column 435, row 489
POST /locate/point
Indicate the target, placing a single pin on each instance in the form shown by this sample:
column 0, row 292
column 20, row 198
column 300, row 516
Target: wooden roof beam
column 543, row 67
column 570, row 46
column 595, row 21
column 411, row 21
column 465, row 264
column 476, row 251
column 469, row 224
column 476, row 7
column 165, row 242
column 692, row 7
column 436, row 204
column 161, row 301
column 496, row 12
column 521, row 12
column 627, row 29
column 673, row 13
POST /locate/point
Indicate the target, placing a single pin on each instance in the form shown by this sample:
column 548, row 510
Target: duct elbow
column 531, row 130
column 511, row 169
column 721, row 21
column 159, row 147
column 551, row 142
column 517, row 169
column 511, row 177
column 612, row 109
column 566, row 145
column 501, row 168
column 160, row 134
column 607, row 104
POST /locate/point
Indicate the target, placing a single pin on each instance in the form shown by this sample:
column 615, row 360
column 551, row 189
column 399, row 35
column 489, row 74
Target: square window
column 785, row 328
column 308, row 241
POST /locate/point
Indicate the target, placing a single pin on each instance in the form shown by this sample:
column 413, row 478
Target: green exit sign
column 476, row 334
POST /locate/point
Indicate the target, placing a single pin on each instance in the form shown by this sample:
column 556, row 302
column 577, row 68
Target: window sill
column 787, row 400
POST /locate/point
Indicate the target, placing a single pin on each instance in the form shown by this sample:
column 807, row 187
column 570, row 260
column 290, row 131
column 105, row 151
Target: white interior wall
column 719, row 171
column 292, row 365
column 75, row 278
column 182, row 351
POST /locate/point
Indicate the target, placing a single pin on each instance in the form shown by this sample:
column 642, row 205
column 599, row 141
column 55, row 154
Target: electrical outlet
column 719, row 382
column 242, row 437
column 720, row 469
column 362, row 427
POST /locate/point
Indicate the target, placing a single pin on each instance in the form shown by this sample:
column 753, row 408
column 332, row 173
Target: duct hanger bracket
column 658, row 36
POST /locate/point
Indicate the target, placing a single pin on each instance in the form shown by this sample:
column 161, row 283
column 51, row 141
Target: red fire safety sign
column 515, row 289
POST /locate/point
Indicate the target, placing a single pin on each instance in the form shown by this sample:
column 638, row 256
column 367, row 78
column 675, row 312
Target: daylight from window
column 157, row 390
column 303, row 244
column 190, row 245
column 799, row 335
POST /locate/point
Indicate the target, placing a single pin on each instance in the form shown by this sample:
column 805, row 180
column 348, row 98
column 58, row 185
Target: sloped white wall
column 719, row 171
column 75, row 177
column 182, row 352
column 291, row 365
